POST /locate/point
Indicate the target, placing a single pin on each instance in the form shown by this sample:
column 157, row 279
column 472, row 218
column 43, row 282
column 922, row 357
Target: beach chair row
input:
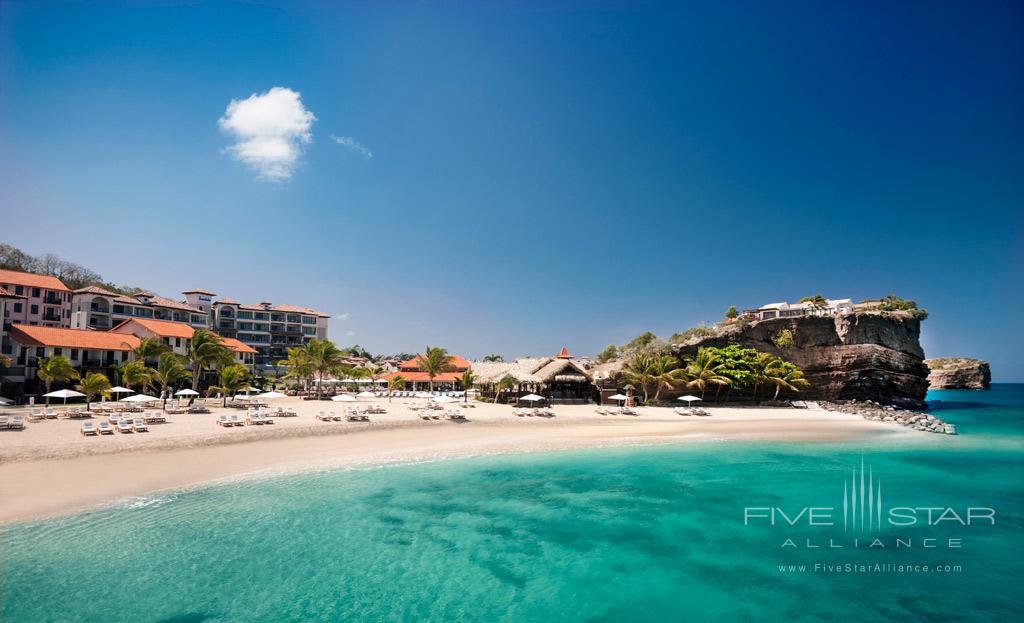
column 253, row 418
column 352, row 415
column 615, row 411
column 533, row 411
column 691, row 411
column 120, row 425
column 450, row 414
column 11, row 422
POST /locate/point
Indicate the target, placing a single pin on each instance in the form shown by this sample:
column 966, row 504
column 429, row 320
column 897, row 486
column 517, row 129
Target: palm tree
column 136, row 373
column 433, row 363
column 169, row 372
column 56, row 368
column 92, row 385
column 666, row 374
column 493, row 357
column 299, row 366
column 231, row 380
column 324, row 358
column 467, row 381
column 787, row 377
column 641, row 370
column 507, row 382
column 817, row 301
column 150, row 349
column 206, row 350
column 764, row 367
column 395, row 383
column 704, row 370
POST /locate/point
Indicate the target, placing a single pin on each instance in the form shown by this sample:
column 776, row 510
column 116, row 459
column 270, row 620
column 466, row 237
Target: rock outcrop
column 958, row 373
column 864, row 356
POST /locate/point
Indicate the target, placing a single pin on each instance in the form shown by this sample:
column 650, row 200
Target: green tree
column 395, row 383
column 169, row 373
column 817, row 301
column 324, row 359
column 506, row 382
column 610, row 352
column 765, row 367
column 206, row 351
column 731, row 312
column 299, row 366
column 705, row 369
column 642, row 370
column 784, row 339
column 150, row 349
column 434, row 362
column 493, row 357
column 787, row 376
column 136, row 374
column 639, row 342
column 666, row 374
column 57, row 368
column 231, row 380
column 468, row 378
column 95, row 384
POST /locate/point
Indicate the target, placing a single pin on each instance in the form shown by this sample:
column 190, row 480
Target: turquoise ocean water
column 629, row 534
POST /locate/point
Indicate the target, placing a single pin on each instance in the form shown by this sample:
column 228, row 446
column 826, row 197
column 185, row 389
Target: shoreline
column 38, row 482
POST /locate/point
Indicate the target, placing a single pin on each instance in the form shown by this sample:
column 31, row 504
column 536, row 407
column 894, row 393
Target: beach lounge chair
column 123, row 426
column 16, row 423
column 50, row 413
column 235, row 421
column 335, row 416
column 4, row 422
column 139, row 425
column 88, row 428
column 103, row 427
column 222, row 420
column 36, row 415
column 323, row 417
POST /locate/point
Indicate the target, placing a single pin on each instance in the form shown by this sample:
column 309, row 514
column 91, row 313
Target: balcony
column 99, row 309
column 48, row 316
column 52, row 299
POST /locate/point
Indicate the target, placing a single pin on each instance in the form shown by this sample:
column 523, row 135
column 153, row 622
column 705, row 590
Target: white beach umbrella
column 140, row 398
column 366, row 395
column 270, row 395
column 343, row 398
column 186, row 392
column 65, row 394
column 688, row 398
column 121, row 390
column 618, row 397
column 532, row 398
column 6, row 401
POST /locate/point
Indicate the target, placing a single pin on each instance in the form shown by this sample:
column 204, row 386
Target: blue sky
column 543, row 174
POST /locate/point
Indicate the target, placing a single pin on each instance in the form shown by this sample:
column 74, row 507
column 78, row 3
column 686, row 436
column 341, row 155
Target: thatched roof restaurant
column 560, row 379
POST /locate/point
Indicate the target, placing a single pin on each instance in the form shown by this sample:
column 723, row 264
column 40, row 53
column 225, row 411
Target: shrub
column 784, row 339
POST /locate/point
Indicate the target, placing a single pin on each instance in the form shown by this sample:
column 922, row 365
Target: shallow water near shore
column 638, row 533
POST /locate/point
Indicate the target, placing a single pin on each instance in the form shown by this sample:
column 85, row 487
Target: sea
column 918, row 527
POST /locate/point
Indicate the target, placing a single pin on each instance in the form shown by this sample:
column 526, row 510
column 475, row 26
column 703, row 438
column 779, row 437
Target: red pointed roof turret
column 564, row 354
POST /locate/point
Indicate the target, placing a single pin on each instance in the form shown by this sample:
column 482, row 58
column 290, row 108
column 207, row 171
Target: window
column 262, row 316
column 74, row 354
column 34, row 309
column 19, row 290
column 36, row 292
column 40, row 352
column 308, row 320
column 58, row 351
column 245, row 314
column 308, row 330
column 17, row 308
column 177, row 342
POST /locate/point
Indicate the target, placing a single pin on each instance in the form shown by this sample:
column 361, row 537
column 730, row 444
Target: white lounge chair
column 222, row 420
column 16, row 423
column 88, row 428
column 139, row 425
column 123, row 426
column 103, row 427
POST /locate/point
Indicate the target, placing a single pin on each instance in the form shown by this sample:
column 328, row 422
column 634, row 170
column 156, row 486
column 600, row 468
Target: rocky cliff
column 848, row 357
column 958, row 373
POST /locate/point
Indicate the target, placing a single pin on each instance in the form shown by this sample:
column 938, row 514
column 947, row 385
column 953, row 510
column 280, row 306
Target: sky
column 498, row 177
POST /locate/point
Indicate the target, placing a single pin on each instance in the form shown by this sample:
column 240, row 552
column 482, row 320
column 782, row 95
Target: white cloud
column 354, row 145
column 344, row 316
column 269, row 131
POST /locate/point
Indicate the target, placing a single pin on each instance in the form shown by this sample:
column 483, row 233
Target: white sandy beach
column 51, row 469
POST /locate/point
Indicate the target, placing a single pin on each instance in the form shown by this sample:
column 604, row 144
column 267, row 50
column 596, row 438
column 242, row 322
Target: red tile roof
column 237, row 346
column 163, row 328
column 444, row 377
column 564, row 354
column 31, row 280
column 95, row 290
column 7, row 294
column 28, row 335
column 199, row 291
column 457, row 363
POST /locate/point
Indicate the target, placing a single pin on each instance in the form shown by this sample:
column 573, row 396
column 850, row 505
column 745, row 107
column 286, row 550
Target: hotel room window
column 34, row 309
column 36, row 293
column 58, row 351
column 74, row 354
column 17, row 308
column 19, row 290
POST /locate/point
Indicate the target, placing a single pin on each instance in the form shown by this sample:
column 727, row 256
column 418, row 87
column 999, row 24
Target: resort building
column 417, row 380
column 178, row 336
column 561, row 379
column 832, row 307
column 47, row 301
column 269, row 329
column 97, row 308
column 89, row 351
